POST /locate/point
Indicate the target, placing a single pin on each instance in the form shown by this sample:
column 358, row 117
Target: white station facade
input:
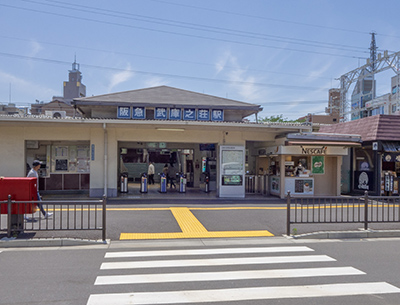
column 202, row 135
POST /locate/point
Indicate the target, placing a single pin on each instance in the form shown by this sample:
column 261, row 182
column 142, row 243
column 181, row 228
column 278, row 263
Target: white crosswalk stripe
column 225, row 275
column 242, row 294
column 217, row 262
column 207, row 251
column 145, row 267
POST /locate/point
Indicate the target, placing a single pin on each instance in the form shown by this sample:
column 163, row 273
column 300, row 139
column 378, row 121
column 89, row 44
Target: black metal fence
column 71, row 215
column 336, row 210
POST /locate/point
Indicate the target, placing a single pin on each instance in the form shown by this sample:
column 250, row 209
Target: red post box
column 20, row 189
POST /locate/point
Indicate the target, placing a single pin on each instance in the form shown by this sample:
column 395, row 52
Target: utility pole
column 372, row 51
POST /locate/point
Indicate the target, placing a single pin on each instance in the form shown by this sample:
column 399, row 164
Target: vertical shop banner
column 318, row 164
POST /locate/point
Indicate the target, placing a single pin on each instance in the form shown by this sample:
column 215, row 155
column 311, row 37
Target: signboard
column 303, row 186
column 138, row 113
column 391, row 157
column 203, row 115
column 61, row 165
column 124, row 112
column 232, row 180
column 189, row 114
column 178, row 114
column 314, row 150
column 231, row 171
column 232, row 162
column 275, row 182
column 217, row 115
column 160, row 113
column 207, row 147
column 175, row 114
column 318, row 164
column 364, row 181
column 389, row 183
column 32, row 144
column 307, row 150
column 92, row 152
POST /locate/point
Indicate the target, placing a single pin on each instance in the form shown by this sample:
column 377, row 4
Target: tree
column 278, row 119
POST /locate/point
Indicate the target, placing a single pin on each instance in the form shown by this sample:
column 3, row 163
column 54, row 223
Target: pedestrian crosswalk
column 222, row 274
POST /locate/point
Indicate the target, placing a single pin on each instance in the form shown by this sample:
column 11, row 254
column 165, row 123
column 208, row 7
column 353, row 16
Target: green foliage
column 278, row 119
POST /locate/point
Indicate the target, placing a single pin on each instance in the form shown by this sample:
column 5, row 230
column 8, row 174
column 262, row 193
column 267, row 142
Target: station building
column 199, row 134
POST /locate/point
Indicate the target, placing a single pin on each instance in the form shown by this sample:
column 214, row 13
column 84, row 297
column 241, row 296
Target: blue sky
column 282, row 55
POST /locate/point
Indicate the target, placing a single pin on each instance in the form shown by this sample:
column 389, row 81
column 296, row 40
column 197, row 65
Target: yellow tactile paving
column 214, row 234
column 187, row 221
column 192, row 228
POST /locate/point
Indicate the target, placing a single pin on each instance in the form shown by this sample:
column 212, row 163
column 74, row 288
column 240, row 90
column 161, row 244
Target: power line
column 160, row 58
column 175, row 33
column 204, row 27
column 167, row 75
column 260, row 17
column 294, row 103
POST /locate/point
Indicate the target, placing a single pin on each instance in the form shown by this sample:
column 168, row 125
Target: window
column 364, row 160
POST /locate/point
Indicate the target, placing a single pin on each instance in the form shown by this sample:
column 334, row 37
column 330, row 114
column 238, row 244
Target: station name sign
column 174, row 114
column 314, row 150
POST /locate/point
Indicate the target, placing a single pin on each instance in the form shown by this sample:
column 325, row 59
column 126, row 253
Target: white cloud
column 241, row 81
column 120, row 77
column 222, row 61
column 22, row 90
column 36, row 47
column 320, row 72
column 155, row 82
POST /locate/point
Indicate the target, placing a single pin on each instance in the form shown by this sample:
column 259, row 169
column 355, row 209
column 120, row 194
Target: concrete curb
column 349, row 234
column 49, row 242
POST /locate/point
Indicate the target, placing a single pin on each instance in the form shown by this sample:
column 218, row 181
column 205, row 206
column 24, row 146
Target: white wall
column 13, row 135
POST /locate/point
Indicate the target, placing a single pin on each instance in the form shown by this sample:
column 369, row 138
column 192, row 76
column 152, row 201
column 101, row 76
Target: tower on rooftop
column 74, row 88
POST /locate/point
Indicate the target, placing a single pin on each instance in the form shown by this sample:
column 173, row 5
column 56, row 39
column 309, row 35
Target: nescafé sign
column 314, row 150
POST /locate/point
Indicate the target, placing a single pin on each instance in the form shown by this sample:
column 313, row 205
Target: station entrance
column 197, row 163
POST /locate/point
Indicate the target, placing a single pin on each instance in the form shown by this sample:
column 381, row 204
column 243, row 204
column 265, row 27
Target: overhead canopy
column 391, row 146
column 319, row 143
column 319, row 139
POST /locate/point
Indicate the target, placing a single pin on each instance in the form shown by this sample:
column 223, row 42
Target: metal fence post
column 9, row 216
column 366, row 210
column 104, row 217
column 288, row 214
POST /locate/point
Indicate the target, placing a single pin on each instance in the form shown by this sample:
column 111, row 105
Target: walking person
column 172, row 175
column 165, row 172
column 34, row 174
column 150, row 173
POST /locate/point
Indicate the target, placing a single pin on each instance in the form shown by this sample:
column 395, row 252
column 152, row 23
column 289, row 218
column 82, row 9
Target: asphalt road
column 205, row 271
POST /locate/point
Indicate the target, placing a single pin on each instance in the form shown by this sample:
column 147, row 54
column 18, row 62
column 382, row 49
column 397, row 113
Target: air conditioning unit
column 57, row 114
